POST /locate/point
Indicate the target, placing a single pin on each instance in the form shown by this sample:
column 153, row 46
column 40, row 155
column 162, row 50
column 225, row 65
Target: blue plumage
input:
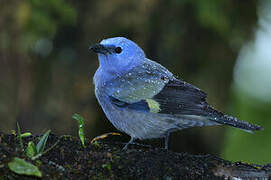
column 143, row 99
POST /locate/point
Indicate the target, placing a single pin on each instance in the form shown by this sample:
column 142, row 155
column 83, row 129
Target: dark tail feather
column 221, row 118
column 233, row 121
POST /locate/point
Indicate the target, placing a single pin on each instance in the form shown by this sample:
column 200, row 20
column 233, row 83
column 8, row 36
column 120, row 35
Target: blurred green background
column 223, row 47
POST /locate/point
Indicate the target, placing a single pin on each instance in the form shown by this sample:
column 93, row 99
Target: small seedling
column 35, row 152
column 20, row 136
column 80, row 121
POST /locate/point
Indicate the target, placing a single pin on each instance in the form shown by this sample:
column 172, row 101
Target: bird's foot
column 127, row 144
column 134, row 143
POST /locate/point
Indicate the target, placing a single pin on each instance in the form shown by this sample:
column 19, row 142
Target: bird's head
column 118, row 54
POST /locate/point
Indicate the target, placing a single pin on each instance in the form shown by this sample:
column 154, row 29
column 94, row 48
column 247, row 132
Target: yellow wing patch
column 153, row 105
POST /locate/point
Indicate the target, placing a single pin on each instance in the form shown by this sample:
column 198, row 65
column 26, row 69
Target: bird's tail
column 221, row 118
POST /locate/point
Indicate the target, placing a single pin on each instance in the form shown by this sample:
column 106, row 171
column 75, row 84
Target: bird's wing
column 176, row 97
column 152, row 88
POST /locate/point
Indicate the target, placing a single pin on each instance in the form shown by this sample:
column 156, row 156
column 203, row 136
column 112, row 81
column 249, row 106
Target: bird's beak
column 99, row 48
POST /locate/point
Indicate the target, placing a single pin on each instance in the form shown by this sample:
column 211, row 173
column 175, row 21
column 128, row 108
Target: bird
column 143, row 99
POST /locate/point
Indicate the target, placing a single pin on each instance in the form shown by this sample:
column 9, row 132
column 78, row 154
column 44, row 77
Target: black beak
column 99, row 48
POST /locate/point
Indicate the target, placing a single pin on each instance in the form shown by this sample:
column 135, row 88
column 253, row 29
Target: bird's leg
column 167, row 138
column 130, row 142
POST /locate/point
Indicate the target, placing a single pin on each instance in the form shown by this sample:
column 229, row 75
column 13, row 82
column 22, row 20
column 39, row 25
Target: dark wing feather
column 179, row 97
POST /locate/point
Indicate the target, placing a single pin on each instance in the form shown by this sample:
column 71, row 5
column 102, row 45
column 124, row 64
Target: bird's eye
column 118, row 50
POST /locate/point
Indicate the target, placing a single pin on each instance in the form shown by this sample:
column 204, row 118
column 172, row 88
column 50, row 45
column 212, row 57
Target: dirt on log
column 67, row 159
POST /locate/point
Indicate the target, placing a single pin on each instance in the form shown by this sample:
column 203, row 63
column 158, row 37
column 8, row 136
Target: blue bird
column 143, row 99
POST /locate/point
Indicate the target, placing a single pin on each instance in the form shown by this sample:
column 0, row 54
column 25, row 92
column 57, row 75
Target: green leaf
column 19, row 136
column 31, row 150
column 26, row 134
column 41, row 145
column 20, row 166
column 80, row 121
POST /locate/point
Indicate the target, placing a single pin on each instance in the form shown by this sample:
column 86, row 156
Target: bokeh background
column 223, row 47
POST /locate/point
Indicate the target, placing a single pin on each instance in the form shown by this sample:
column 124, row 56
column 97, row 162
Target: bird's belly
column 140, row 125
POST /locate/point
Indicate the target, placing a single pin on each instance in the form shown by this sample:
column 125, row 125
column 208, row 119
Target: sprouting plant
column 80, row 121
column 19, row 136
column 35, row 151
column 21, row 166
